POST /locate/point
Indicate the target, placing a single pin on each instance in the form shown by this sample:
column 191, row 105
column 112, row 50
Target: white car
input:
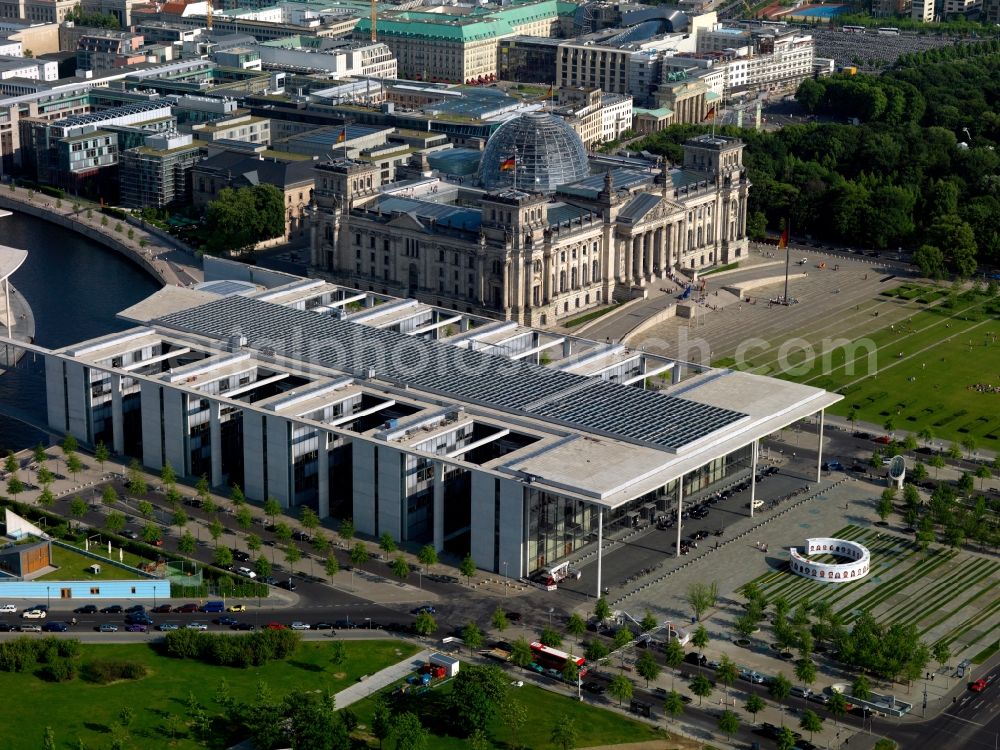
column 246, row 572
column 300, row 625
column 196, row 626
column 33, row 614
column 30, row 629
column 8, row 608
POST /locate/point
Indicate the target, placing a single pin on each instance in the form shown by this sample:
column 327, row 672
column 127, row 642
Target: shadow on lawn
column 306, row 666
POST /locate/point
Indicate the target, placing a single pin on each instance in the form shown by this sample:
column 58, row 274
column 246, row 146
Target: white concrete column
column 438, row 506
column 753, row 474
column 215, row 438
column 117, row 418
column 323, row 469
column 6, row 308
column 819, row 447
column 680, row 503
column 600, row 551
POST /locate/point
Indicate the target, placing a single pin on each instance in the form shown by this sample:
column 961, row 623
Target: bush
column 104, row 671
column 112, row 211
column 17, row 655
column 253, row 649
column 60, row 670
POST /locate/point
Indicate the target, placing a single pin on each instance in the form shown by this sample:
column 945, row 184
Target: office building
column 157, row 173
column 518, row 446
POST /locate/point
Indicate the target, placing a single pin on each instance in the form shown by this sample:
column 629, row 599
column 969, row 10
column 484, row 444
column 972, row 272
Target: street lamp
column 551, row 610
column 506, row 583
column 48, row 598
column 368, row 623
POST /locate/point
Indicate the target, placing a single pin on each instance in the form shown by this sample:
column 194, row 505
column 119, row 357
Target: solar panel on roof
column 458, row 373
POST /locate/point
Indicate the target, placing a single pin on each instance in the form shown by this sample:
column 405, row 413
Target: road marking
column 967, row 721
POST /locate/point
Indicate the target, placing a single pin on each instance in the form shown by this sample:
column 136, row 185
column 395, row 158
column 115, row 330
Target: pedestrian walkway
column 369, row 684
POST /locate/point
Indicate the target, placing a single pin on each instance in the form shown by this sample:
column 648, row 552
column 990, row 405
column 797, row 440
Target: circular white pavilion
column 857, row 556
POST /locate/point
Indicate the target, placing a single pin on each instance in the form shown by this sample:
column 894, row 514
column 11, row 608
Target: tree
column 101, row 454
column 861, row 689
column 729, row 723
column 381, row 720
column 74, row 465
column 941, row 653
column 472, row 637
column 937, row 461
column 150, row 533
column 136, row 481
column 754, row 705
column 701, row 597
column 215, row 530
column 837, row 705
column 595, row 650
column 310, row 521
column 262, row 567
column 477, row 693
column 77, row 508
column 965, row 483
column 805, row 672
column 48, row 739
column 673, row 704
column 167, row 475
column 45, row 476
column 811, row 722
column 346, row 530
column 39, row 454
column 186, row 544
column 407, row 732
column 564, row 734
column 779, row 689
column 145, row 508
column 648, row 622
column 646, row 667
column 550, row 637
column 620, row 687
column 292, row 555
column 514, row 715
column 467, row 568
column 576, row 626
column 701, row 687
column 331, row 566
column 114, row 522
column 69, row 444
column 954, row 452
column 222, row 557
column 919, row 471
column 244, row 517
column 983, row 472
column 240, row 218
column 571, row 672
column 400, row 568
column 673, row 654
column 726, row 673
column 602, row 611
column 699, row 639
column 272, row 509
column 427, row 556
column 930, row 260
column 424, row 624
column 320, row 545
column 254, row 543
column 950, row 232
column 499, row 621
column 520, row 653
column 785, row 739
column 179, row 519
column 236, row 496
column 387, row 544
column 45, row 498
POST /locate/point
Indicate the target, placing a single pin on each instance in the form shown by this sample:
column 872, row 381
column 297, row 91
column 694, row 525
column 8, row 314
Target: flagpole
column 788, row 256
column 346, row 158
column 515, row 168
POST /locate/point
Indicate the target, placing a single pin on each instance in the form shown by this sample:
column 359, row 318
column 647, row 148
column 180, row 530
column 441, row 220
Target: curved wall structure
column 857, row 554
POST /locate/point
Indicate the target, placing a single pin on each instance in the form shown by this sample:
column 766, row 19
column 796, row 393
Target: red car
column 162, row 609
column 189, row 607
column 882, row 439
column 978, row 686
column 276, row 626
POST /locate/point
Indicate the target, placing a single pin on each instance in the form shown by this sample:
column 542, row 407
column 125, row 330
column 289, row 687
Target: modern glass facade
column 546, row 153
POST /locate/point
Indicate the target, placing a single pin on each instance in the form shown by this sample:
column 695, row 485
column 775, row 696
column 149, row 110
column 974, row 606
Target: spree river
column 74, row 287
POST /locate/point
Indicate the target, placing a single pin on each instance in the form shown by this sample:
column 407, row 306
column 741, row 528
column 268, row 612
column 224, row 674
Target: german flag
column 710, row 116
column 342, row 135
column 507, row 164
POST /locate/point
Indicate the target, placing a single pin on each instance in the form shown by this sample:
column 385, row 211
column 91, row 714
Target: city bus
column 853, row 29
column 889, row 31
column 553, row 661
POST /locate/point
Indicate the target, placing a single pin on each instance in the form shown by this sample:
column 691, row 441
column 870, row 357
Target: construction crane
column 374, row 19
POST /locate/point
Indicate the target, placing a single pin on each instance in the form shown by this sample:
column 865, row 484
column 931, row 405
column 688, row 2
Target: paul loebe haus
column 519, row 445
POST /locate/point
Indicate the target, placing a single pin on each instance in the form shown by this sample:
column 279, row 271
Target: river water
column 74, row 287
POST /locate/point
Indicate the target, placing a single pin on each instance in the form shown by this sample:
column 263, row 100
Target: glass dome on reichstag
column 537, row 152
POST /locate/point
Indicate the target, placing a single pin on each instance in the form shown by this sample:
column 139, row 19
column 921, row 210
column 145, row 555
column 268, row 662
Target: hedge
column 250, row 650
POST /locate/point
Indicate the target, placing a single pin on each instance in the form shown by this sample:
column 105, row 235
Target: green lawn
column 80, row 710
column 596, row 726
column 924, row 367
column 75, row 567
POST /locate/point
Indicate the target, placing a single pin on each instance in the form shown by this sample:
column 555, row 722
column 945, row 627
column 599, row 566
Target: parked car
column 821, row 698
column 55, row 627
column 513, row 616
column 196, row 626
column 243, row 626
column 240, row 555
column 165, row 626
column 345, row 625
column 323, row 626
column 245, row 571
column 800, row 692
column 162, row 609
column 237, row 608
column 30, row 628
column 135, row 608
column 979, row 685
column 276, row 626
column 33, row 614
column 8, row 608
column 287, row 584
column 113, row 609
column 693, row 657
column 297, row 625
column 593, row 687
column 833, row 465
column 86, row 609
column 751, row 676
column 130, row 534
column 423, row 608
column 186, row 608
column 301, row 536
column 107, row 627
column 138, row 618
column 136, row 627
column 225, row 620
column 882, row 439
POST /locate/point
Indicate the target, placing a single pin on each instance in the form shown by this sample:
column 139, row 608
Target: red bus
column 546, row 657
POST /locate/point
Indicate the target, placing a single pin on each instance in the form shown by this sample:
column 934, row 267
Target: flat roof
column 11, row 258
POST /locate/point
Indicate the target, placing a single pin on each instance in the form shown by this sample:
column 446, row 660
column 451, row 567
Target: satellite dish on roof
column 897, row 470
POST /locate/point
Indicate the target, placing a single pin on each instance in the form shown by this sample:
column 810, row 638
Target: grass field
column 949, row 595
column 81, row 710
column 596, row 726
column 916, row 369
column 76, row 567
